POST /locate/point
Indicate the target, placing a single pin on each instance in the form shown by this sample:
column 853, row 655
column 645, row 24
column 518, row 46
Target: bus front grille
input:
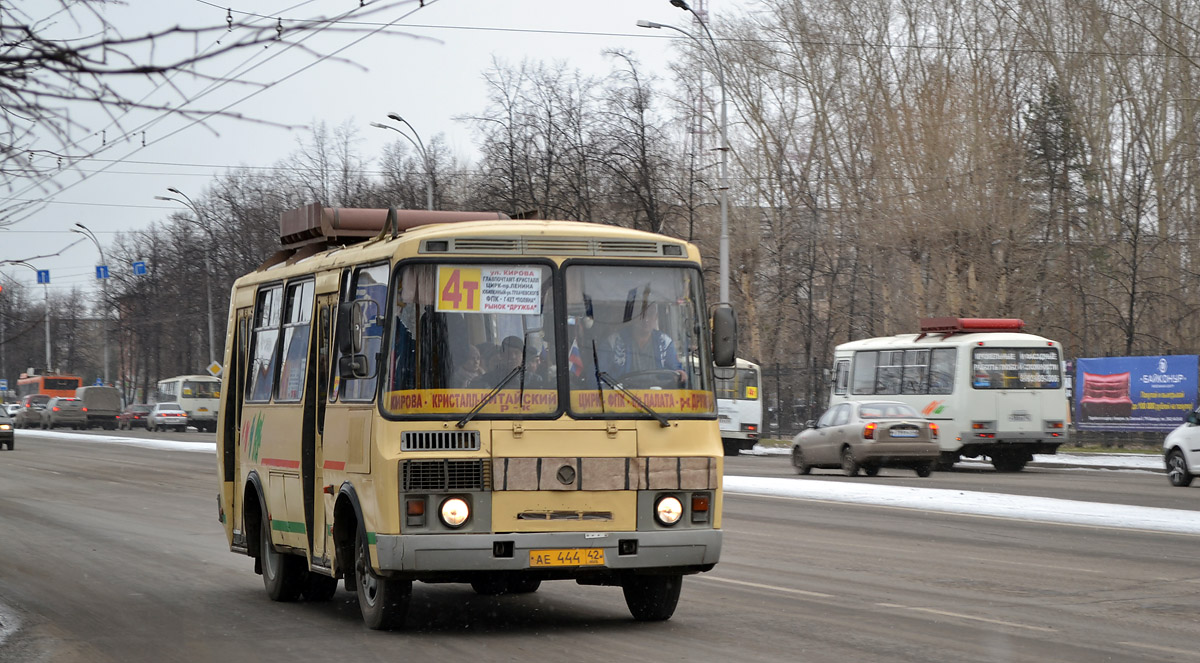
column 443, row 475
column 465, row 440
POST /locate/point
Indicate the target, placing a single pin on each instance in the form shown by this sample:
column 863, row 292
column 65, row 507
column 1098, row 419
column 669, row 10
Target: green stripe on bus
column 371, row 538
column 287, row 526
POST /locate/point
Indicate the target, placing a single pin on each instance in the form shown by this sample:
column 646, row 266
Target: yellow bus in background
column 459, row 397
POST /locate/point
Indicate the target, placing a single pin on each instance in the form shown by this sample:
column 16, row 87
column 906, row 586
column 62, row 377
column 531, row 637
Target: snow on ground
column 1018, row 507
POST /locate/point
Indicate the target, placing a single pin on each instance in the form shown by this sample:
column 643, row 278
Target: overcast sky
column 429, row 71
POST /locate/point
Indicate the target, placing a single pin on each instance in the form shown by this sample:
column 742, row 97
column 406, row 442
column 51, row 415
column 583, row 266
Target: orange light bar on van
column 869, row 431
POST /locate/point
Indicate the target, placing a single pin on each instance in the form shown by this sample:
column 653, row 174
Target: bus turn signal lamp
column 933, row 430
column 869, row 431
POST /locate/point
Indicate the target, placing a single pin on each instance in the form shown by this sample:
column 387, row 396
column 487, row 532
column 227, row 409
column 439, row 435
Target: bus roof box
column 315, row 224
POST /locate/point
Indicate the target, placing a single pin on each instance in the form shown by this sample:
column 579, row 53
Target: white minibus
column 994, row 390
column 198, row 395
column 739, row 406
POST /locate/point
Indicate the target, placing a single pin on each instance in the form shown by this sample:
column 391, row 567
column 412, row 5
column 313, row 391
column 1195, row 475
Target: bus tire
column 652, row 598
column 924, row 470
column 318, row 587
column 731, row 447
column 870, row 470
column 283, row 575
column 799, row 463
column 849, row 462
column 1009, row 462
column 383, row 601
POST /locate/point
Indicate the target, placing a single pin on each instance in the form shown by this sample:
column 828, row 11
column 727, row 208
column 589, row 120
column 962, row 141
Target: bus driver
column 640, row 346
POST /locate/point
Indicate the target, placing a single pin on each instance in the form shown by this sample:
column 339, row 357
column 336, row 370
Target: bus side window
column 916, row 370
column 941, row 371
column 841, row 376
column 264, row 352
column 368, row 283
column 864, row 372
column 891, row 369
column 297, row 319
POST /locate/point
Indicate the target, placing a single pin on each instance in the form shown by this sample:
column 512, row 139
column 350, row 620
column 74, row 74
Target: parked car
column 11, row 409
column 867, row 435
column 167, row 415
column 7, row 437
column 134, row 416
column 30, row 413
column 63, row 411
column 1181, row 451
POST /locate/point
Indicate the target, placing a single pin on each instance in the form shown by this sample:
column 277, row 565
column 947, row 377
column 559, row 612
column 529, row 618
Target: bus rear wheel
column 1009, row 462
column 383, row 601
column 731, row 447
column 652, row 598
column 283, row 575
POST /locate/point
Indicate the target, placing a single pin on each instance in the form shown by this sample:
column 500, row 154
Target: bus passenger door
column 321, row 512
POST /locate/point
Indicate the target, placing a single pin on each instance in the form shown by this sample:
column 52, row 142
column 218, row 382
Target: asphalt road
column 114, row 553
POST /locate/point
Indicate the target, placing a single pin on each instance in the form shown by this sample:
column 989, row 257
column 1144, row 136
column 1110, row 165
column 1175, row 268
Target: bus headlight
column 668, row 510
column 455, row 512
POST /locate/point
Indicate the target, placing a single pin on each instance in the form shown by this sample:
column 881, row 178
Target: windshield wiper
column 662, row 421
column 492, row 394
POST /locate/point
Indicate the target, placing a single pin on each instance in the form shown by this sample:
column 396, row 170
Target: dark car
column 867, row 435
column 134, row 416
column 30, row 413
column 6, row 430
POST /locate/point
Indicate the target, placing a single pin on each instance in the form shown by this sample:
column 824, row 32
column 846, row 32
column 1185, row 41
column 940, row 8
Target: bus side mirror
column 353, row 320
column 724, row 335
column 353, row 367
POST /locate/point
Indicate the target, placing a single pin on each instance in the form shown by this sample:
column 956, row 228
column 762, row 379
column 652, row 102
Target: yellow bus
column 457, row 397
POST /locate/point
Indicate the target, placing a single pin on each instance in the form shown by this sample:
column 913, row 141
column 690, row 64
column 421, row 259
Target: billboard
column 1134, row 393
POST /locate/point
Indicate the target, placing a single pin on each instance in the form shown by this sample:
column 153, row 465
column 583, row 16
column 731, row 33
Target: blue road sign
column 99, row 382
column 101, row 271
column 3, row 385
column 43, row 275
column 139, row 268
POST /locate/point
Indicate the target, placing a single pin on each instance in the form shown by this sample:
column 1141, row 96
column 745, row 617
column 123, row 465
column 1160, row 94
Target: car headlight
column 454, row 512
column 668, row 510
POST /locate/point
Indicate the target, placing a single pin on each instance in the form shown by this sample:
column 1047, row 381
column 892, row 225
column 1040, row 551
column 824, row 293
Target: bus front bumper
column 687, row 550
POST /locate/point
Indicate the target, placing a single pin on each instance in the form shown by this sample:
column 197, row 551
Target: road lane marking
column 774, row 588
column 1159, row 648
column 956, row 615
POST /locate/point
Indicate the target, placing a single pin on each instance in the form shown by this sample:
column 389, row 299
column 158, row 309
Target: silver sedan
column 867, row 435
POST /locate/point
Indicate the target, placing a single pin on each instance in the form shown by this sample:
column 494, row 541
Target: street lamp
column 420, row 148
column 86, row 232
column 207, row 262
column 49, row 368
column 724, row 182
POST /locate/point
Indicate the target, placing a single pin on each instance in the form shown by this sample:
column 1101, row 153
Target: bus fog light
column 455, row 512
column 668, row 510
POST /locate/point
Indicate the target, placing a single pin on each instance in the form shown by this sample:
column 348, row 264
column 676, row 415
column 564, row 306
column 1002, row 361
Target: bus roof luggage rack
column 948, row 326
column 314, row 224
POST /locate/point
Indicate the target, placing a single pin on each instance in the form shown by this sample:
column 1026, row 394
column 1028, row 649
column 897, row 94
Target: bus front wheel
column 383, row 601
column 652, row 598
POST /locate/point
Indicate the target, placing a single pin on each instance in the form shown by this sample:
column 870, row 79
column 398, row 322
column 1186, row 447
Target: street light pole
column 420, row 145
column 724, row 181
column 212, row 351
column 86, row 232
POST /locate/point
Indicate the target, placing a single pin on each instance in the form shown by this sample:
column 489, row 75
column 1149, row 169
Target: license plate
column 203, row 409
column 567, row 557
column 904, row 432
column 1020, row 416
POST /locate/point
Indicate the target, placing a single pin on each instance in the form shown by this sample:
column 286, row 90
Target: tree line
column 890, row 160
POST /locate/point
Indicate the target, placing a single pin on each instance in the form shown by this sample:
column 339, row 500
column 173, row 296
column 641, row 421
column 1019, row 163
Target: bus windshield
column 637, row 329
column 461, row 331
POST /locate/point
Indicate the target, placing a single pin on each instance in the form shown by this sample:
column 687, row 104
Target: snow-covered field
column 1040, row 509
